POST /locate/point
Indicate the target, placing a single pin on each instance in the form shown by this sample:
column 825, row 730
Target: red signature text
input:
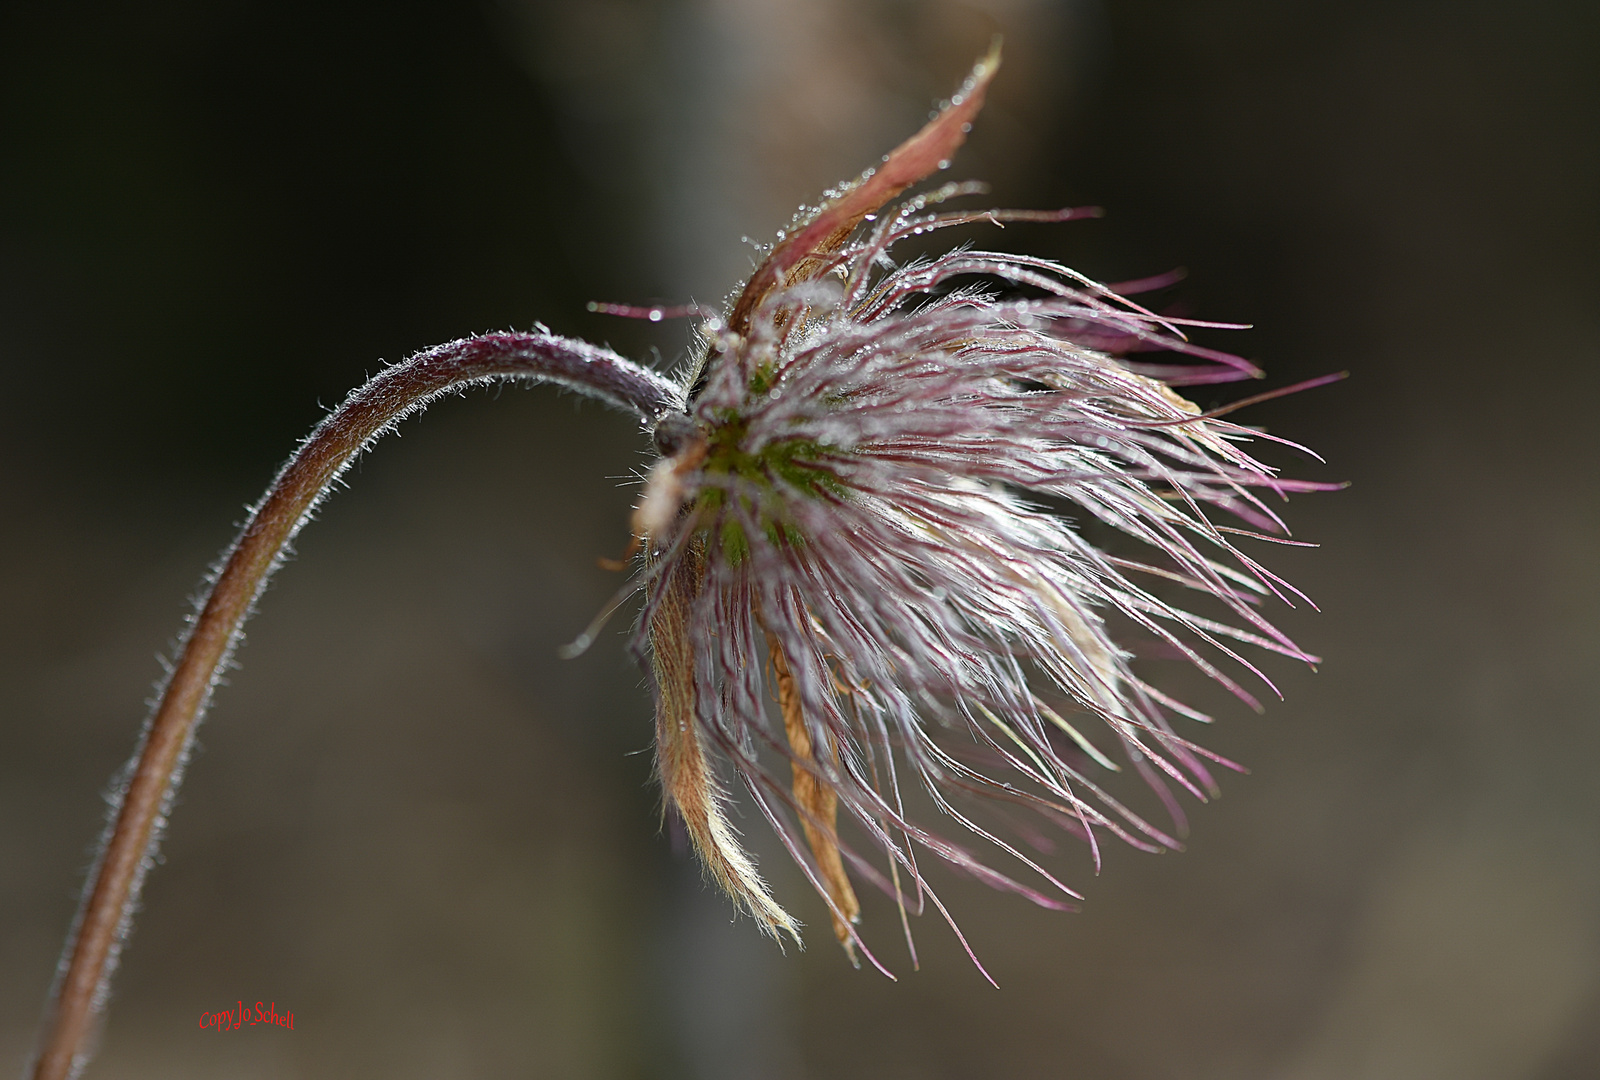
column 243, row 1015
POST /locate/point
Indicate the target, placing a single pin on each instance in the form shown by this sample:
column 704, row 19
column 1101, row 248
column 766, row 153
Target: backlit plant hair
column 851, row 515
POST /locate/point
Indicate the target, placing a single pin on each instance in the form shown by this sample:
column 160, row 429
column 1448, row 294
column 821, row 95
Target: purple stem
column 143, row 799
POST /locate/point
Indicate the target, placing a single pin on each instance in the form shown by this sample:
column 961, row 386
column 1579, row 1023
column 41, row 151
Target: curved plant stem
column 143, row 799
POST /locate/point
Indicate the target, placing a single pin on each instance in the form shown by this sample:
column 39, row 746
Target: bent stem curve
column 143, row 794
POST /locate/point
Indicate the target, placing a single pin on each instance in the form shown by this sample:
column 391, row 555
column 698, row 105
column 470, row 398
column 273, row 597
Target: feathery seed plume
column 856, row 516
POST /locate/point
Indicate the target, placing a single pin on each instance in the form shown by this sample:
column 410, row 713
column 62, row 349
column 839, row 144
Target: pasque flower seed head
column 855, row 515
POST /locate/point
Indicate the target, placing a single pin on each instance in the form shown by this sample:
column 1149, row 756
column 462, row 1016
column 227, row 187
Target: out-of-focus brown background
column 437, row 844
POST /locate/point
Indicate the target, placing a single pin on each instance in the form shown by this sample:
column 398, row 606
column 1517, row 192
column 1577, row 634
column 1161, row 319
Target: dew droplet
column 656, row 314
column 944, row 163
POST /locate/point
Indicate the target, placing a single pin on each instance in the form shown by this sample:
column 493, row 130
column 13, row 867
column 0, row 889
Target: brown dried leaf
column 686, row 779
column 797, row 257
column 818, row 804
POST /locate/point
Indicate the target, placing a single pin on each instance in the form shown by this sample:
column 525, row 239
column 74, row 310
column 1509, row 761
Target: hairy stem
column 144, row 797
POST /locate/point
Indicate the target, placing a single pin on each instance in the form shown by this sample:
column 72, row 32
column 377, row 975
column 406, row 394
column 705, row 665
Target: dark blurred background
column 438, row 845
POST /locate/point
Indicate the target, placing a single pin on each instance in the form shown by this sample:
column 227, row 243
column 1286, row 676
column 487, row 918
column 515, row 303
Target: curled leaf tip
column 798, row 256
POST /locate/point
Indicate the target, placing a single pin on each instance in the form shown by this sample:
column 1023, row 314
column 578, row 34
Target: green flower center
column 769, row 480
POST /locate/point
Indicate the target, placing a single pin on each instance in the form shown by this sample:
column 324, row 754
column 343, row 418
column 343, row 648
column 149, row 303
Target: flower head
column 867, row 511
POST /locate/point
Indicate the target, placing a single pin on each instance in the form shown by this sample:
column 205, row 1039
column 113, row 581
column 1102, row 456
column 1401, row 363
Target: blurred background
column 438, row 845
